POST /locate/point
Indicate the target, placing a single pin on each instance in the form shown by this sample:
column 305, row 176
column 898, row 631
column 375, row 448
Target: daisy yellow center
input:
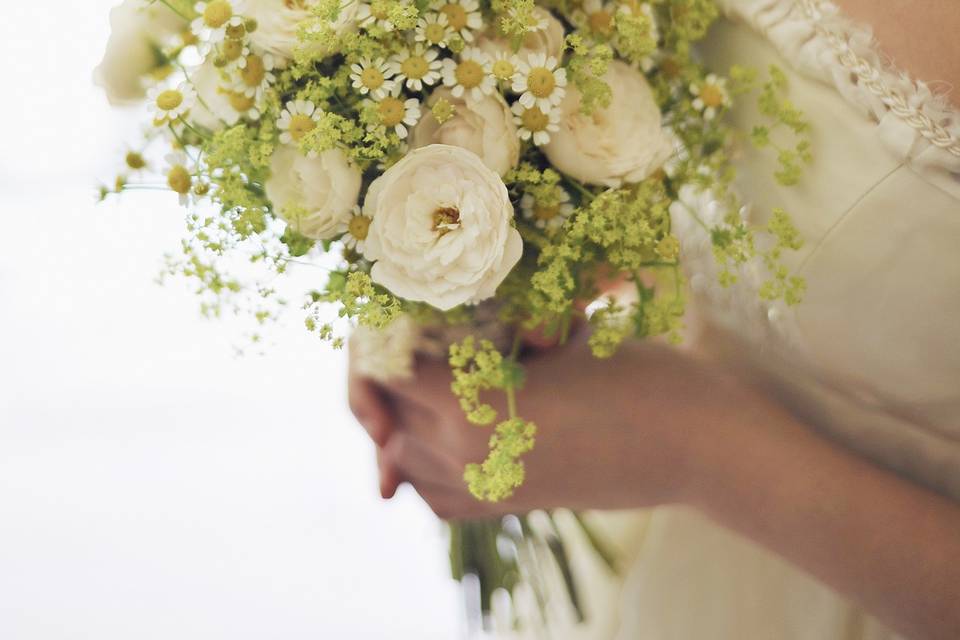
column 445, row 218
column 435, row 32
column 135, row 160
column 372, row 79
column 415, row 67
column 711, row 95
column 359, row 227
column 240, row 102
column 534, row 120
column 541, row 82
column 391, row 111
column 300, row 125
column 469, row 74
column 217, row 13
column 503, row 69
column 601, row 22
column 254, row 72
column 188, row 38
column 169, row 99
column 236, row 31
column 456, row 15
column 179, row 179
column 546, row 213
column 232, row 49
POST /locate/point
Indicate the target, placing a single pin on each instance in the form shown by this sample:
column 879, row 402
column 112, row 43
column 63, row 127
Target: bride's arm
column 653, row 426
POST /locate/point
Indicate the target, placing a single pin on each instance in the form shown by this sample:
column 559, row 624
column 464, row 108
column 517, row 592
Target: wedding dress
column 870, row 358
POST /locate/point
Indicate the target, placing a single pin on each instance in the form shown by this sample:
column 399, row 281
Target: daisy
column 547, row 216
column 254, row 75
column 213, row 19
column 244, row 105
column 710, row 96
column 233, row 51
column 375, row 13
column 463, row 16
column 396, row 113
column 434, row 30
column 372, row 77
column 540, row 82
column 534, row 123
column 356, row 229
column 179, row 177
column 597, row 17
column 298, row 119
column 504, row 66
column 170, row 104
column 471, row 74
column 417, row 67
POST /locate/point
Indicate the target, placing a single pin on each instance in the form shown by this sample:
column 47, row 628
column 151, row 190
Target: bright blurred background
column 152, row 483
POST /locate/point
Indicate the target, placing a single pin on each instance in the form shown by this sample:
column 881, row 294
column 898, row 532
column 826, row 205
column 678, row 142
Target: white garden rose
column 622, row 143
column 137, row 29
column 277, row 22
column 314, row 195
column 484, row 127
column 442, row 228
column 547, row 40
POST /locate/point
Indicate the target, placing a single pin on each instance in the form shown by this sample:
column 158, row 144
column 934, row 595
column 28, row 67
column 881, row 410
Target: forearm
column 886, row 543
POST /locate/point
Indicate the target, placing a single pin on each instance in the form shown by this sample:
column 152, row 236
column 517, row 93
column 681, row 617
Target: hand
column 638, row 429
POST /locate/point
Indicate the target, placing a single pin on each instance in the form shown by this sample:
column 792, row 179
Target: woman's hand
column 639, row 429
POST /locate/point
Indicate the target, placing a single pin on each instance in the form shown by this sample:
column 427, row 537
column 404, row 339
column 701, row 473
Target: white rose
column 621, row 143
column 277, row 22
column 315, row 195
column 441, row 230
column 137, row 28
column 548, row 40
column 484, row 127
column 385, row 354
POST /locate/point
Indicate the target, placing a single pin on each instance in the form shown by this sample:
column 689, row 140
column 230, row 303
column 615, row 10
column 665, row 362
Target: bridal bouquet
column 463, row 170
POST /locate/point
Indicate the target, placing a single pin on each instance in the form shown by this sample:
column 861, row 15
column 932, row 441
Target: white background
column 153, row 484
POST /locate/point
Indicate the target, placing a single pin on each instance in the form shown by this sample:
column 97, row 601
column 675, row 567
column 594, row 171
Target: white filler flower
column 442, row 228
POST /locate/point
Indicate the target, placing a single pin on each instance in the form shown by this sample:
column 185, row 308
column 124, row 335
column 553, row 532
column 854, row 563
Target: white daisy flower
column 179, row 176
column 375, row 13
column 503, row 66
column 463, row 15
column 533, row 123
column 254, row 75
column 372, row 77
column 540, row 82
column 433, row 30
column 597, row 17
column 356, row 229
column 396, row 113
column 470, row 75
column 549, row 216
column 298, row 119
column 244, row 105
column 214, row 18
column 233, row 51
column 416, row 67
column 170, row 104
column 710, row 96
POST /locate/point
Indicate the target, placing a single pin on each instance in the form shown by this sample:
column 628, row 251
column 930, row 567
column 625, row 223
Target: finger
column 371, row 408
column 390, row 476
column 429, row 387
column 419, row 464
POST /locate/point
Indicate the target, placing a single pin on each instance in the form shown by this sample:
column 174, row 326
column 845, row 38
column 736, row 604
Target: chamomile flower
column 463, row 16
column 244, row 105
column 503, row 66
column 254, row 75
column 533, row 123
column 179, row 176
column 547, row 216
column 232, row 52
column 356, row 229
column 375, row 13
column 597, row 17
column 297, row 120
column 540, row 82
column 434, row 30
column 214, row 18
column 396, row 113
column 416, row 67
column 470, row 75
column 170, row 104
column 710, row 96
column 372, row 77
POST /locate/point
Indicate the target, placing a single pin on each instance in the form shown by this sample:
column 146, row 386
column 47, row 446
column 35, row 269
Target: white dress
column 870, row 358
